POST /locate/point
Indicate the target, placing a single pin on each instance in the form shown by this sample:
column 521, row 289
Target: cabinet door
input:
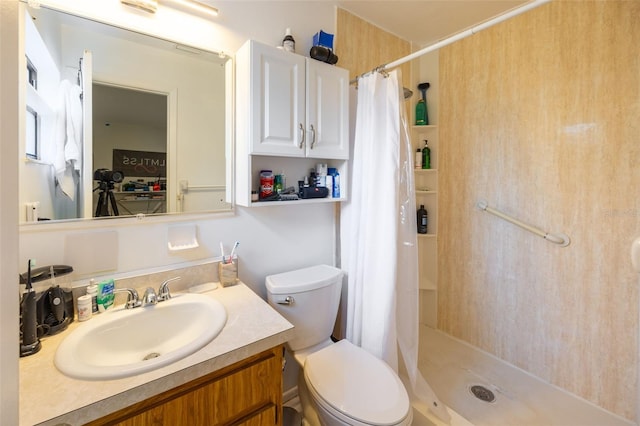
column 327, row 111
column 278, row 97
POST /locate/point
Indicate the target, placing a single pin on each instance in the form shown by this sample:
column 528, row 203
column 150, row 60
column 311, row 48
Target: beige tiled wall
column 540, row 116
column 361, row 46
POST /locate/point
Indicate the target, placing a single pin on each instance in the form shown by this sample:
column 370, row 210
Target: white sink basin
column 126, row 342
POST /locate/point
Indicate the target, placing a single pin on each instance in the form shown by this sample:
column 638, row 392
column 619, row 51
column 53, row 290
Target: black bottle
column 422, row 220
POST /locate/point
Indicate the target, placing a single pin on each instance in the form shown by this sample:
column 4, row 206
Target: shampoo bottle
column 422, row 220
column 418, row 164
column 426, row 156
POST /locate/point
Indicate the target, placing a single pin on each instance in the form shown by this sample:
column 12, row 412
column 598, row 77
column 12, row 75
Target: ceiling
column 424, row 22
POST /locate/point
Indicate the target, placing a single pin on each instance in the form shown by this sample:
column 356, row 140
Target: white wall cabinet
column 289, row 105
column 291, row 113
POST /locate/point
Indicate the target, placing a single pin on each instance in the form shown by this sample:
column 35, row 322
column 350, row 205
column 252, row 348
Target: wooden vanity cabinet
column 248, row 393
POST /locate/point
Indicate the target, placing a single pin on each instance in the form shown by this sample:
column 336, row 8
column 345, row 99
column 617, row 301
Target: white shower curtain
column 379, row 224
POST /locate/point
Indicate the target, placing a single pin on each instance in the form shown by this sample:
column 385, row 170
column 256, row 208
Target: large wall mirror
column 118, row 123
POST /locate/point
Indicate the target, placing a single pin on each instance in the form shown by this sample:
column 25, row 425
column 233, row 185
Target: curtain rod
column 455, row 37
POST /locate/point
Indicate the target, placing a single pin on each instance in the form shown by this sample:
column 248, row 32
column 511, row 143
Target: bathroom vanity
column 236, row 378
column 246, row 393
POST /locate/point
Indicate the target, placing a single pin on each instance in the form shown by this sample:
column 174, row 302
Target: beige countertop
column 48, row 397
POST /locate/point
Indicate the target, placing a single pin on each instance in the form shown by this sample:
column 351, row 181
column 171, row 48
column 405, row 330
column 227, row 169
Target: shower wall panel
column 362, row 46
column 540, row 117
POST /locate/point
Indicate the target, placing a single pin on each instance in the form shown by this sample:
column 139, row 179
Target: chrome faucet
column 133, row 300
column 149, row 297
column 163, row 291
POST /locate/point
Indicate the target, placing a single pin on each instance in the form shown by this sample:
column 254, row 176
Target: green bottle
column 422, row 116
column 426, row 156
column 421, row 113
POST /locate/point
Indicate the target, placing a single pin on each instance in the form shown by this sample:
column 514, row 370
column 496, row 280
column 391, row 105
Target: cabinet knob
column 313, row 137
column 302, row 132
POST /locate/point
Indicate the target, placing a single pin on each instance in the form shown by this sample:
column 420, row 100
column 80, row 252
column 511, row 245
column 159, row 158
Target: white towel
column 68, row 138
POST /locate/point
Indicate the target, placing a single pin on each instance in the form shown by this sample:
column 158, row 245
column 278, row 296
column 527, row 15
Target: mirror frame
column 229, row 145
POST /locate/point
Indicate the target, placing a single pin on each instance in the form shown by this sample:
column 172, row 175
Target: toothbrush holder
column 228, row 272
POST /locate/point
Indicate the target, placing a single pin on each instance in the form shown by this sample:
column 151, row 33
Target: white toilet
column 342, row 384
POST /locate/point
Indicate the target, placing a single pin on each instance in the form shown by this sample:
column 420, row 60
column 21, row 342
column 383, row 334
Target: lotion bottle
column 418, row 159
column 288, row 43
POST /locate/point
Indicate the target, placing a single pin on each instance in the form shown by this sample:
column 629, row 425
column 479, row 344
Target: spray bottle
column 422, row 116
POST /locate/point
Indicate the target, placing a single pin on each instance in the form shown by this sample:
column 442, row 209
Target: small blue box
column 323, row 39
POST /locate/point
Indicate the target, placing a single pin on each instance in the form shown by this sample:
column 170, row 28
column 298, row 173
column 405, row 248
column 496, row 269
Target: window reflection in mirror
column 167, row 135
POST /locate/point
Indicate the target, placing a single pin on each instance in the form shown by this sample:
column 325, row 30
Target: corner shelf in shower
column 426, row 192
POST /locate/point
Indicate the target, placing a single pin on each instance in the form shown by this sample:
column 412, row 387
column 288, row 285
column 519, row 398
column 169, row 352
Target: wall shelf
column 426, row 193
column 296, row 202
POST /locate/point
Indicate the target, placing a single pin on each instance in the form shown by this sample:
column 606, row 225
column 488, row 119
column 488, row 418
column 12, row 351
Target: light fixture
column 197, row 6
column 147, row 5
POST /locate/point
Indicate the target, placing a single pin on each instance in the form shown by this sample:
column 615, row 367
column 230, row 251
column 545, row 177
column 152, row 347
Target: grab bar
column 562, row 240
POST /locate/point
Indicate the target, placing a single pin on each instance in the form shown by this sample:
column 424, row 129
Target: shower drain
column 482, row 393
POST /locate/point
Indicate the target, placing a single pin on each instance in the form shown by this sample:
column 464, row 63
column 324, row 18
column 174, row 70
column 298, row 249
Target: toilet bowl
column 350, row 386
column 340, row 383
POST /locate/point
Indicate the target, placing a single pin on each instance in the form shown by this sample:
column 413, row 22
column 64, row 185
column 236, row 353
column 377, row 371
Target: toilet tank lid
column 304, row 279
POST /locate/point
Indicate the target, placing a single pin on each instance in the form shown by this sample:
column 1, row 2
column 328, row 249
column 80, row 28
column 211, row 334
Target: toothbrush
column 222, row 252
column 233, row 250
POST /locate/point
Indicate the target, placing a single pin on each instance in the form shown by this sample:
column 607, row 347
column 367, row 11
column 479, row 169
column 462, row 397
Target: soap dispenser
column 426, row 155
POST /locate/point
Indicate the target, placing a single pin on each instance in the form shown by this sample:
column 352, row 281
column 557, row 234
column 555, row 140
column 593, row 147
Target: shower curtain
column 379, row 224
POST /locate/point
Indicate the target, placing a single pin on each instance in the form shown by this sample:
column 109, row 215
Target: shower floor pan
column 485, row 391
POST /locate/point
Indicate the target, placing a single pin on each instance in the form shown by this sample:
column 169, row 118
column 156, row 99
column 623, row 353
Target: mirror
column 118, row 123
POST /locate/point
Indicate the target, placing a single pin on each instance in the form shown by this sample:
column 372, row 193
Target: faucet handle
column 163, row 291
column 133, row 300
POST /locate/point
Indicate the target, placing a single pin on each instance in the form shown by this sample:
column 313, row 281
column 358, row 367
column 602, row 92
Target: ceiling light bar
column 200, row 7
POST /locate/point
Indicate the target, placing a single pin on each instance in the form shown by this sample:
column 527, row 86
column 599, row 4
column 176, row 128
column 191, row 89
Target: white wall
column 273, row 239
column 9, row 57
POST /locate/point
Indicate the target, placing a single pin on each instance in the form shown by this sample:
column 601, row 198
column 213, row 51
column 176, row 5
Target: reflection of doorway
column 135, row 121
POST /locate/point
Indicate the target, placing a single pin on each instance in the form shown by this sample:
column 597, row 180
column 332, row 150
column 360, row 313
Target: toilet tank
column 308, row 298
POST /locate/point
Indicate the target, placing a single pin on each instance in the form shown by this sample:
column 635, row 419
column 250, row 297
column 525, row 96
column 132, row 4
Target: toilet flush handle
column 287, row 301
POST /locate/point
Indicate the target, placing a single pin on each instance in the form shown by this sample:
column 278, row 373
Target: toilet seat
column 353, row 384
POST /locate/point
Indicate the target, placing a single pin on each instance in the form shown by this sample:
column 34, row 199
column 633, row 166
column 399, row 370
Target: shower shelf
column 419, row 191
column 425, row 170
